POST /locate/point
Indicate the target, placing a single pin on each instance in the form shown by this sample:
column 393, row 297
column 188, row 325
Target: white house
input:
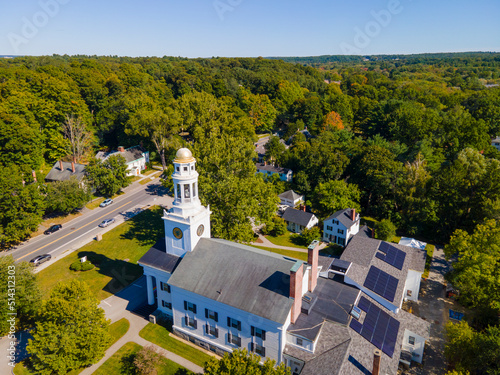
column 136, row 158
column 495, row 142
column 284, row 174
column 298, row 220
column 223, row 295
column 291, row 198
column 341, row 226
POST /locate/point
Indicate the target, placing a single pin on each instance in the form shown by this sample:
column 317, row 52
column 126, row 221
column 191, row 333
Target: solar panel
column 393, row 256
column 381, row 283
column 364, row 304
column 355, row 325
column 378, row 327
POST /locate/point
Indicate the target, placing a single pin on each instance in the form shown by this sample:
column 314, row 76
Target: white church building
column 223, row 296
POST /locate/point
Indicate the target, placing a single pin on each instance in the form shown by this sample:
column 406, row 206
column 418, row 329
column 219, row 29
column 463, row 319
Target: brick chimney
column 303, row 207
column 353, row 214
column 312, row 259
column 121, row 148
column 296, row 274
column 33, row 173
column 73, row 167
column 61, row 167
column 376, row 362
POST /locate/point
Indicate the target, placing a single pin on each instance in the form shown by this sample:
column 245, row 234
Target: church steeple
column 187, row 221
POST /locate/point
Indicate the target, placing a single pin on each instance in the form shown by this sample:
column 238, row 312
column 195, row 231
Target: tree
column 107, row 177
column 259, row 109
column 146, row 360
column 21, row 205
column 309, row 235
column 276, row 227
column 18, row 284
column 79, row 137
column 240, row 362
column 66, row 196
column 332, row 121
column 470, row 350
column 476, row 268
column 71, row 331
column 274, row 149
column 332, row 196
column 385, row 230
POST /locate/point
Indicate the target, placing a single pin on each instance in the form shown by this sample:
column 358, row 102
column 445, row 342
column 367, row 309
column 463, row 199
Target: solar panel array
column 381, row 283
column 392, row 256
column 379, row 328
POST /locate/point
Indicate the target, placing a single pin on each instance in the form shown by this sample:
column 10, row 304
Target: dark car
column 106, row 222
column 53, row 228
column 36, row 261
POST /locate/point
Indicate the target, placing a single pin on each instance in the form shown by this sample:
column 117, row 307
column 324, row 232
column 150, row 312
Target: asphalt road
column 84, row 228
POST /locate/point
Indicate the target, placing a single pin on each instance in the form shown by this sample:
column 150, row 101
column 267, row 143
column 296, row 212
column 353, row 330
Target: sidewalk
column 136, row 324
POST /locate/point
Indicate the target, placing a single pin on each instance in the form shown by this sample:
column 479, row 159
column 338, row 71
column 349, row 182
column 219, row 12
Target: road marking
column 50, row 243
column 74, row 239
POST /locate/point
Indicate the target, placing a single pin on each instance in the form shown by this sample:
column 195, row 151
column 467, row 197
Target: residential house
column 63, row 171
column 284, row 174
column 136, row 158
column 298, row 220
column 341, row 226
column 495, row 142
column 318, row 317
column 291, row 198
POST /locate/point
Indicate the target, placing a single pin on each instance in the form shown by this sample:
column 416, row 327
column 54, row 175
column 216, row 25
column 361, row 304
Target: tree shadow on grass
column 122, row 273
column 146, row 227
column 127, row 366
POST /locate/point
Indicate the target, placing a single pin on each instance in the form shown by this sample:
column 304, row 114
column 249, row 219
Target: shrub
column 79, row 266
column 385, row 230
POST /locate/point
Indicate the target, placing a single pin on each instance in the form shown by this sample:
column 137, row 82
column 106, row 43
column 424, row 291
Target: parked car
column 36, row 261
column 107, row 202
column 53, row 228
column 106, row 222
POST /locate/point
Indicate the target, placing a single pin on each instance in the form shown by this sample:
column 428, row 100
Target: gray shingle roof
column 130, row 154
column 297, row 216
column 290, row 195
column 361, row 252
column 344, row 216
column 56, row 174
column 240, row 276
column 157, row 257
column 271, row 168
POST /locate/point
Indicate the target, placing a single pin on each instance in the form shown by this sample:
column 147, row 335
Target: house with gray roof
column 318, row 317
column 298, row 220
column 266, row 169
column 64, row 171
column 136, row 158
column 341, row 226
column 291, row 198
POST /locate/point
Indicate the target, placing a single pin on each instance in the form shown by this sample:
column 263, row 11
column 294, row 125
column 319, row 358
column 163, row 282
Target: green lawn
column 95, row 203
column 287, row 253
column 148, row 180
column 285, row 240
column 122, row 363
column 115, row 257
column 159, row 335
column 430, row 252
column 116, row 329
column 333, row 250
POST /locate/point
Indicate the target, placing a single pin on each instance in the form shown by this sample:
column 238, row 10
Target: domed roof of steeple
column 183, row 155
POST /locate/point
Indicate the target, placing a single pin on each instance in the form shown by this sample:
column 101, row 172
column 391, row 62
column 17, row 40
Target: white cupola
column 187, row 221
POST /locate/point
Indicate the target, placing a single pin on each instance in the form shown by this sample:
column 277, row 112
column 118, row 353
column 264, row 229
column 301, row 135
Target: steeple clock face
column 177, row 233
column 200, row 230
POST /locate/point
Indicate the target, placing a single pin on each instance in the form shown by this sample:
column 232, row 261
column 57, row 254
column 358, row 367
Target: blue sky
column 205, row 28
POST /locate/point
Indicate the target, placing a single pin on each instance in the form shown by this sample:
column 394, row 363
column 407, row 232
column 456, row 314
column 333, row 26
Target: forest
column 403, row 138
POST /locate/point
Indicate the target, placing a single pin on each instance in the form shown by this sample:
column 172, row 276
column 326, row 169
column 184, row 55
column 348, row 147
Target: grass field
column 288, row 253
column 115, row 257
column 285, row 240
column 116, row 330
column 151, row 178
column 159, row 335
column 121, row 363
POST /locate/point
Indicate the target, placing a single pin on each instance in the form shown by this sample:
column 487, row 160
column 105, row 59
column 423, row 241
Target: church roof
column 240, row 276
column 157, row 257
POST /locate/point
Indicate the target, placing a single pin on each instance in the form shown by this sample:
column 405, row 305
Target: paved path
column 136, row 324
column 266, row 243
column 433, row 307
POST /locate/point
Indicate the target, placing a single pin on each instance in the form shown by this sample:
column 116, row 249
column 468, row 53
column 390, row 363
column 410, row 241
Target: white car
column 106, row 222
column 107, row 202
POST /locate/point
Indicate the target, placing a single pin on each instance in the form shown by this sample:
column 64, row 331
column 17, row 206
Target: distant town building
column 291, row 198
column 284, row 174
column 341, row 226
column 136, row 157
column 63, row 171
column 298, row 220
